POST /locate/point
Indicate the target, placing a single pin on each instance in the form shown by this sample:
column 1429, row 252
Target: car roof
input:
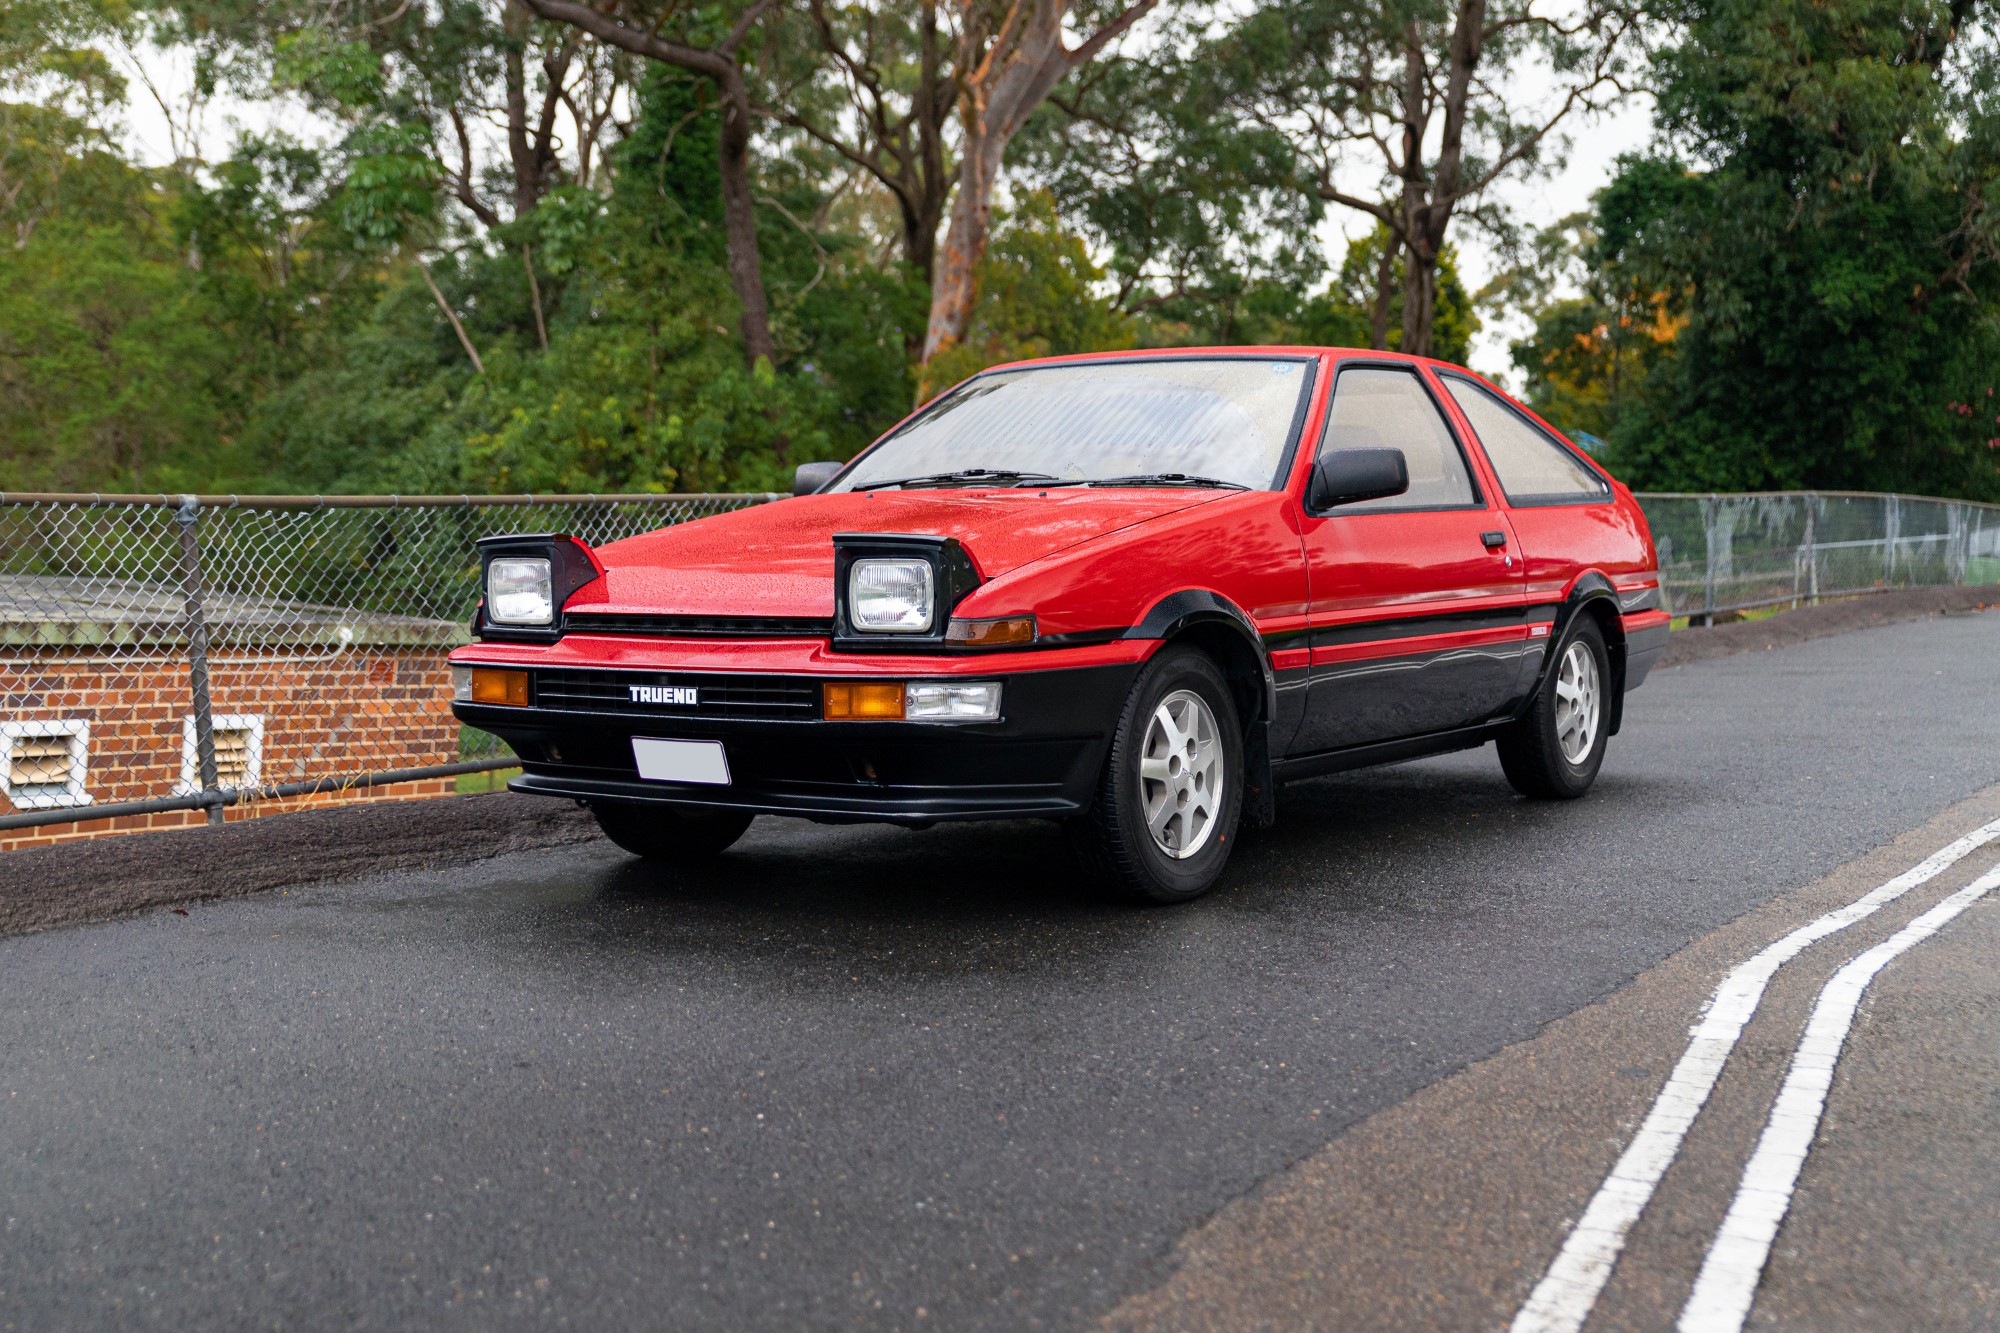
column 1159, row 353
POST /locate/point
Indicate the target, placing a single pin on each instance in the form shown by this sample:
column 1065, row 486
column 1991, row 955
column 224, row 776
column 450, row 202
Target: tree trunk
column 955, row 279
column 1420, row 268
column 921, row 224
column 1385, row 286
column 1004, row 76
column 1428, row 216
column 739, row 219
column 718, row 64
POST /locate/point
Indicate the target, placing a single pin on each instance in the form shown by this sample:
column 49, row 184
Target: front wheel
column 1555, row 751
column 1164, row 820
column 670, row 834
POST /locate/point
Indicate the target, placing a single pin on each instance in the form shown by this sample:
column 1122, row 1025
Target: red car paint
column 1324, row 595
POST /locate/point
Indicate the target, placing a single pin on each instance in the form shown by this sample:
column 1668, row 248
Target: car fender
column 1193, row 611
column 1591, row 587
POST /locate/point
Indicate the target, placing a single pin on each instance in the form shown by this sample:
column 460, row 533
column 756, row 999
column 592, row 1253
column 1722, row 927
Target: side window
column 1532, row 467
column 1376, row 408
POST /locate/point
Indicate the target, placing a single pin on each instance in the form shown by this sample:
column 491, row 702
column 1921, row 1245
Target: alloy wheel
column 1577, row 702
column 1180, row 774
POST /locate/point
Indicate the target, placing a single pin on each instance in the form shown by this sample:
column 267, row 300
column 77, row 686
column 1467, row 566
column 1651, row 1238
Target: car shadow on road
column 850, row 901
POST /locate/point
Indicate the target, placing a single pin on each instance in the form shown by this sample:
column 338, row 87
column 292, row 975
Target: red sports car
column 1132, row 593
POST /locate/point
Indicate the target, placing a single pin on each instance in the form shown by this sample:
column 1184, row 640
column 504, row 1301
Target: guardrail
column 175, row 655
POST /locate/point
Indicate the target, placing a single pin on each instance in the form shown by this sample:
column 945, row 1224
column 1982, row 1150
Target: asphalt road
column 887, row 1079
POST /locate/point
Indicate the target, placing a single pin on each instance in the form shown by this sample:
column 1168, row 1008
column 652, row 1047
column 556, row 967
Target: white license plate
column 681, row 761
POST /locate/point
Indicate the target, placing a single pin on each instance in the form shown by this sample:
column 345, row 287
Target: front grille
column 715, row 695
column 698, row 627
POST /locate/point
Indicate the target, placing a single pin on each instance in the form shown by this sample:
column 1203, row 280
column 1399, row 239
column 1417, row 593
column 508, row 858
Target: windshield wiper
column 1155, row 479
column 1001, row 475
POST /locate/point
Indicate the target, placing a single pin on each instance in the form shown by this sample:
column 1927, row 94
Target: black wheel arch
column 1592, row 595
column 1211, row 622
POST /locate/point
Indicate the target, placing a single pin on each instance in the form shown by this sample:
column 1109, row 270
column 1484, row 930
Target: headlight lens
column 891, row 596
column 953, row 701
column 518, row 592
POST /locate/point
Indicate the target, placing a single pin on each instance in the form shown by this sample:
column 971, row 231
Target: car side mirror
column 811, row 476
column 1349, row 476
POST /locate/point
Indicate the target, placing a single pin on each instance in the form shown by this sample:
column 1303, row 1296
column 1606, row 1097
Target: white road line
column 1564, row 1297
column 1729, row 1276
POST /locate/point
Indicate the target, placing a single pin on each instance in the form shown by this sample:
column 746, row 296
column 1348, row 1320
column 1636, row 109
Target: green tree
column 1835, row 262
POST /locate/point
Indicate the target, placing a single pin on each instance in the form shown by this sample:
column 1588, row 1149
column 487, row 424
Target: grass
column 493, row 781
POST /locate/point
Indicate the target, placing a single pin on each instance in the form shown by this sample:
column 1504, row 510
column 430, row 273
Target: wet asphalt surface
column 859, row 1077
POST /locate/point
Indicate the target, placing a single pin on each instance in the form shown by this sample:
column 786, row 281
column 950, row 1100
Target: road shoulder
column 1444, row 1210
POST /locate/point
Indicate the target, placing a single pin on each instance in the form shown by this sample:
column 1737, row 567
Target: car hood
column 777, row 559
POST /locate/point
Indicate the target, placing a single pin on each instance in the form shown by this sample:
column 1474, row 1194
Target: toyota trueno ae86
column 1131, row 593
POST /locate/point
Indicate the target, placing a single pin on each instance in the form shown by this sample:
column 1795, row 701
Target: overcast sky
column 1594, row 146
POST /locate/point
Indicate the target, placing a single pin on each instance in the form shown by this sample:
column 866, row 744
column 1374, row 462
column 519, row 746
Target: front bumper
column 1041, row 759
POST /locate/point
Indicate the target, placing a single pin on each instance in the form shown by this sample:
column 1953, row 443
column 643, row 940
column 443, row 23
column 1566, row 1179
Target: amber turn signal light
column 863, row 701
column 991, row 633
column 491, row 685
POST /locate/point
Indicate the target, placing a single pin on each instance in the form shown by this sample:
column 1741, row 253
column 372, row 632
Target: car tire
column 670, row 834
column 1178, row 753
column 1553, row 753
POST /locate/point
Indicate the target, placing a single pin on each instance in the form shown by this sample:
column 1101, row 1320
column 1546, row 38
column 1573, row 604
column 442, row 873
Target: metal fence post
column 1812, row 550
column 188, row 516
column 1708, row 570
column 1892, row 532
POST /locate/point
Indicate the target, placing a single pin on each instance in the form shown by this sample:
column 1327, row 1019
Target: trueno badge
column 683, row 695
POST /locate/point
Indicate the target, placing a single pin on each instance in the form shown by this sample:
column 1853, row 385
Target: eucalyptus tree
column 876, row 83
column 1410, row 111
column 708, row 41
column 1194, row 210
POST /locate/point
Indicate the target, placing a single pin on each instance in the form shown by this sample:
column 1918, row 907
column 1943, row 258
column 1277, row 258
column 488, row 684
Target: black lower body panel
column 1642, row 650
column 1043, row 758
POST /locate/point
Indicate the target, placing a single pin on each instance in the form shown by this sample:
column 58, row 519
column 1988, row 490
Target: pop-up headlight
column 896, row 591
column 524, row 581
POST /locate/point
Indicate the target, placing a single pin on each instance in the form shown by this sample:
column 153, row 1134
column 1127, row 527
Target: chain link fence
column 163, row 654
column 188, row 653
column 1721, row 553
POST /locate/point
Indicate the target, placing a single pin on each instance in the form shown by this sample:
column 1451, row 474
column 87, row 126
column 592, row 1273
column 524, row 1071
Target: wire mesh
column 326, row 628
column 1740, row 552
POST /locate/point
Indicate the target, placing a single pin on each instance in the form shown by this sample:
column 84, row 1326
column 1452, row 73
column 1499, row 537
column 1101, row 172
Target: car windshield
column 1172, row 421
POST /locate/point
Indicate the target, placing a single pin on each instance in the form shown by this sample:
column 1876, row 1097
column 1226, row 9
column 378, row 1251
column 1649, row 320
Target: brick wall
column 322, row 714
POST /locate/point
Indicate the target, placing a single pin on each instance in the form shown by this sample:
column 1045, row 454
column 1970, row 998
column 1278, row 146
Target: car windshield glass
column 1113, row 421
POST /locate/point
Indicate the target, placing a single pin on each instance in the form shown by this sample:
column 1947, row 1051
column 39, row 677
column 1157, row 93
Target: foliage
column 504, row 263
column 1828, row 275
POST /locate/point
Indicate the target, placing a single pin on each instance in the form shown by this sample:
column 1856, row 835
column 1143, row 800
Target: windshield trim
column 1287, row 456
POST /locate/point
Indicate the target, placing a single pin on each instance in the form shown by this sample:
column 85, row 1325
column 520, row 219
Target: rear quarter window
column 1533, row 466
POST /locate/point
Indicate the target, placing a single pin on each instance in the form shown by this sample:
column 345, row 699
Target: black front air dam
column 1042, row 759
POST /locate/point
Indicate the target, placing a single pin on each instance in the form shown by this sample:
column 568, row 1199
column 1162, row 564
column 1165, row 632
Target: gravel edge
column 1828, row 618
column 99, row 878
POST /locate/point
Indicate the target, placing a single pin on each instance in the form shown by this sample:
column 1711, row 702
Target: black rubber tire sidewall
column 1115, row 833
column 1531, row 753
column 670, row 833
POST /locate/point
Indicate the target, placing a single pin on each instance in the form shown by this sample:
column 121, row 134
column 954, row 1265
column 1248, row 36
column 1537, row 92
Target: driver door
column 1417, row 601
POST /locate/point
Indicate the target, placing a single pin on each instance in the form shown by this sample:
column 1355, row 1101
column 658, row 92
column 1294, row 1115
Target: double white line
column 1721, row 1301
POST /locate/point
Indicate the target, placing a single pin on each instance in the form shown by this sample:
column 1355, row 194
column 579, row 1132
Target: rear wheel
column 1164, row 820
column 670, row 834
column 1555, row 751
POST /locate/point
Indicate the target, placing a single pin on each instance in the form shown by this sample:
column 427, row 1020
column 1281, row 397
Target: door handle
column 1493, row 540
